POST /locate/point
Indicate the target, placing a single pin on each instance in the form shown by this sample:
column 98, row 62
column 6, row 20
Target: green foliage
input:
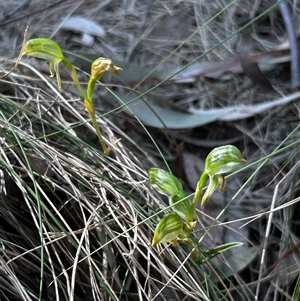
column 178, row 225
column 296, row 293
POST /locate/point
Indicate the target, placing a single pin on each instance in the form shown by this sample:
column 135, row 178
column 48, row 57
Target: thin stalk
column 294, row 49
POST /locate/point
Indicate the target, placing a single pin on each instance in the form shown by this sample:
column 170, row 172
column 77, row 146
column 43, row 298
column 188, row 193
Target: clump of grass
column 77, row 224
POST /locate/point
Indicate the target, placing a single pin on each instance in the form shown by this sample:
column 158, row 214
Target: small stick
column 20, row 55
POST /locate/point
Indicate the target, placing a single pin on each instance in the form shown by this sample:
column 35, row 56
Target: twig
column 295, row 60
column 20, row 55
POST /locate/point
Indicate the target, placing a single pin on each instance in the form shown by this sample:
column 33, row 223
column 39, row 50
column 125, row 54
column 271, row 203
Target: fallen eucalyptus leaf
column 160, row 117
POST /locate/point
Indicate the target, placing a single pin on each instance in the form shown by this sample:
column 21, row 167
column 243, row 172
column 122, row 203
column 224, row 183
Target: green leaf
column 204, row 256
column 296, row 293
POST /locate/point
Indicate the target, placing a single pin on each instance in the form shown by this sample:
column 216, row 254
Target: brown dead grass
column 146, row 32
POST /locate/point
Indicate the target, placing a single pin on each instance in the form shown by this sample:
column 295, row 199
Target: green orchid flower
column 50, row 51
column 164, row 182
column 168, row 229
column 98, row 69
column 178, row 225
column 167, row 184
column 219, row 161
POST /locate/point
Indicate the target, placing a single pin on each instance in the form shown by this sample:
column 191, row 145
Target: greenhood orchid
column 50, row 51
column 178, row 225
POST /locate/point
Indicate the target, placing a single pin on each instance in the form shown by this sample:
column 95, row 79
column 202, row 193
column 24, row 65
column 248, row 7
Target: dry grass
column 77, row 225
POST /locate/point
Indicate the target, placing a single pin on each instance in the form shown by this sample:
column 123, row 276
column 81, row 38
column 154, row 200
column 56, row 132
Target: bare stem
column 295, row 59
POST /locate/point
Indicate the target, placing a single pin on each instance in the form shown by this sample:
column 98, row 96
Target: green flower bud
column 164, row 182
column 168, row 229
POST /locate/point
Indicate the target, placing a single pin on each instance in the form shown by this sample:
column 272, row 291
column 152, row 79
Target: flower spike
column 98, row 68
column 167, row 184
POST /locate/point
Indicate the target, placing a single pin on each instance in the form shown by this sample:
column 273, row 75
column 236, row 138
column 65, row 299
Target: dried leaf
column 159, row 117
